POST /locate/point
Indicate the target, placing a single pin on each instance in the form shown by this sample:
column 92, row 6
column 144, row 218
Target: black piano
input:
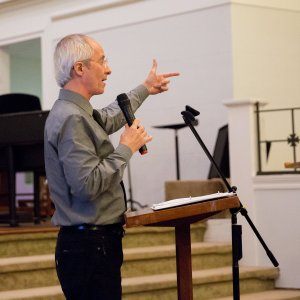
column 22, row 149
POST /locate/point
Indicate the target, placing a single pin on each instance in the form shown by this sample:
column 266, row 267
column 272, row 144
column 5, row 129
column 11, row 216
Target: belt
column 104, row 229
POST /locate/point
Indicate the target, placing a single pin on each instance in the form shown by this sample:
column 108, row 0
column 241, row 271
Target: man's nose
column 107, row 70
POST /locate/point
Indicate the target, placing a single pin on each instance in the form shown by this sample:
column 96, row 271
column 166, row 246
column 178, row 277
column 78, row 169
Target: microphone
column 125, row 106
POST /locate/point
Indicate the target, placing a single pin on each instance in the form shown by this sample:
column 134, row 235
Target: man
column 85, row 172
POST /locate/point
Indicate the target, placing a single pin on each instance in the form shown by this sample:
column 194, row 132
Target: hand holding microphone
column 135, row 136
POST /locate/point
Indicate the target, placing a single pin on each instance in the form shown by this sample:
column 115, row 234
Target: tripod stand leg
column 237, row 254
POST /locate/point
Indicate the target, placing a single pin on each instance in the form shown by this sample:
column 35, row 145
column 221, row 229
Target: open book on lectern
column 190, row 200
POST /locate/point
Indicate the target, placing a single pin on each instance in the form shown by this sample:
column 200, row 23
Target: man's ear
column 78, row 68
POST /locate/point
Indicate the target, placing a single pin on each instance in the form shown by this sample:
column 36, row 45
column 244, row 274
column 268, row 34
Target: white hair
column 68, row 51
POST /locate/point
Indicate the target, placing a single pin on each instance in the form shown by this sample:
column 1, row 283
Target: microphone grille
column 122, row 97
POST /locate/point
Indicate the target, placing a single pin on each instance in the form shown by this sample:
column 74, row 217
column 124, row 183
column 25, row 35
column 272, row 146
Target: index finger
column 154, row 65
column 170, row 74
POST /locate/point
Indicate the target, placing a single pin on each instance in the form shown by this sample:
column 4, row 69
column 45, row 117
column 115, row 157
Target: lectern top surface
column 179, row 215
column 190, row 200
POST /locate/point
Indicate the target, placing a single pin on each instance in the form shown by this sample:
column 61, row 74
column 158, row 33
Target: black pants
column 88, row 263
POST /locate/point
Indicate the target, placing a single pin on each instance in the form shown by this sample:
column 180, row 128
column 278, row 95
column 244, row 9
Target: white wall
column 25, row 67
column 243, row 166
column 266, row 47
column 183, row 44
column 193, row 39
column 266, row 67
column 223, row 49
column 26, row 76
column 271, row 201
column 277, row 217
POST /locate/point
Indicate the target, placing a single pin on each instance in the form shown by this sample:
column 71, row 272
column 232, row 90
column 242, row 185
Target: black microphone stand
column 130, row 200
column 236, row 230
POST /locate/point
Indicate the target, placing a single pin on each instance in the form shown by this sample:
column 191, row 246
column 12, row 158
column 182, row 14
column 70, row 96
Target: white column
column 242, row 149
column 49, row 86
column 278, row 206
column 5, row 72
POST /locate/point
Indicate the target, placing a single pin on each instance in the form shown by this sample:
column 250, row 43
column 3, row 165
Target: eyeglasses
column 103, row 62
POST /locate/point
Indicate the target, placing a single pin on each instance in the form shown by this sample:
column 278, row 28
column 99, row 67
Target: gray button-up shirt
column 83, row 168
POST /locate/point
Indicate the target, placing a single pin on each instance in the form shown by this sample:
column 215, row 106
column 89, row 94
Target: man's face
column 96, row 71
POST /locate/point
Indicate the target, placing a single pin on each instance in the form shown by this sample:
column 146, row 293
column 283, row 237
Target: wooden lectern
column 181, row 218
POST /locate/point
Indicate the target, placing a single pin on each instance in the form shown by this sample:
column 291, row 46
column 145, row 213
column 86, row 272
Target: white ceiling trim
column 21, row 38
column 6, row 5
column 88, row 8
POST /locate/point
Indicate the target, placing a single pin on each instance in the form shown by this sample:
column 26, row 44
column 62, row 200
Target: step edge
column 149, row 229
column 31, row 292
column 170, row 251
column 144, row 286
column 290, row 293
column 199, row 277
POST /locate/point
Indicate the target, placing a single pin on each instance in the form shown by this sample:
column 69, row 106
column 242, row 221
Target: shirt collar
column 76, row 99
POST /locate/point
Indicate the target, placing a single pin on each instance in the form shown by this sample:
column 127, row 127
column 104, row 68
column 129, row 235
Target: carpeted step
column 277, row 294
column 27, row 271
column 27, row 243
column 39, row 270
column 143, row 261
column 150, row 236
column 41, row 293
column 55, row 293
column 208, row 284
column 20, row 242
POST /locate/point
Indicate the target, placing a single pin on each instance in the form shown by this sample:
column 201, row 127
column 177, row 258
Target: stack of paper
column 190, row 200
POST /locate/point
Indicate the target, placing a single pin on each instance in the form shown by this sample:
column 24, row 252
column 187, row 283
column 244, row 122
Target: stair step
column 151, row 236
column 30, row 241
column 25, row 262
column 208, row 284
column 143, row 261
column 28, row 277
column 277, row 294
column 27, row 271
column 45, row 293
column 39, row 270
column 55, row 293
column 27, row 243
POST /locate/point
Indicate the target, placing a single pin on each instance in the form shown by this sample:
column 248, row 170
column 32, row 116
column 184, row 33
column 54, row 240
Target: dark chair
column 221, row 154
column 12, row 103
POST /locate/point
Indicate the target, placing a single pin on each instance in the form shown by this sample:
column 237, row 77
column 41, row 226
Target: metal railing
column 291, row 140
